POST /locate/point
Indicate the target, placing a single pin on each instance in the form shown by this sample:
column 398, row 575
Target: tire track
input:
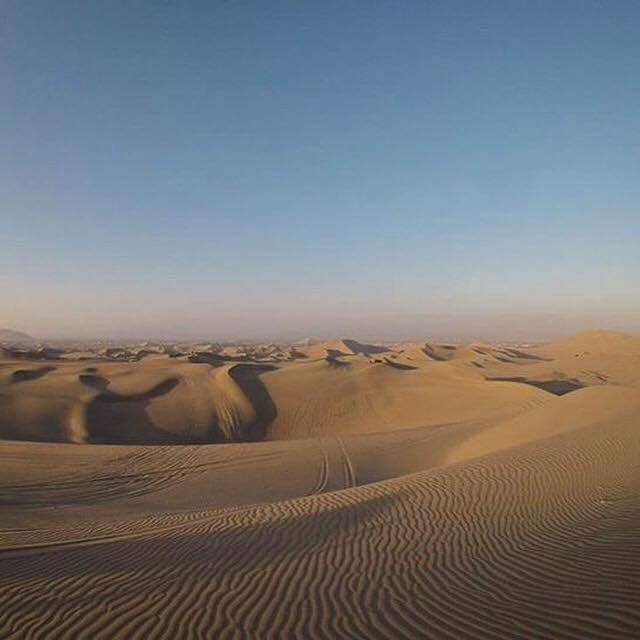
column 539, row 541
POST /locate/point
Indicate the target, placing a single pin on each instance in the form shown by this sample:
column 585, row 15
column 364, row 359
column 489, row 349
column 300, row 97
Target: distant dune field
column 331, row 490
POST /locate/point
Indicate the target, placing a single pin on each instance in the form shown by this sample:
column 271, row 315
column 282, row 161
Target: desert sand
column 330, row 490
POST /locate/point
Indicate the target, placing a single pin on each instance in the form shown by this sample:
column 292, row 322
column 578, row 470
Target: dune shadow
column 93, row 381
column 24, row 375
column 334, row 361
column 364, row 349
column 433, row 354
column 399, row 365
column 276, row 537
column 114, row 418
column 516, row 353
column 156, row 391
column 205, row 357
column 558, row 387
column 336, row 353
column 112, row 422
column 247, row 377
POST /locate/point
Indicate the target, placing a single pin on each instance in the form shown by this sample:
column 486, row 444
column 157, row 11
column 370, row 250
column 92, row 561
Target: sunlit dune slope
column 321, row 398
column 164, row 396
column 537, row 540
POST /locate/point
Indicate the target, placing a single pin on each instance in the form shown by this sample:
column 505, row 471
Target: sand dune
column 318, row 399
column 243, row 394
column 154, row 401
column 266, row 393
column 420, row 502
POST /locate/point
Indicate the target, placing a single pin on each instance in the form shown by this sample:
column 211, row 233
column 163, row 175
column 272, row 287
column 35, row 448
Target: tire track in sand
column 539, row 541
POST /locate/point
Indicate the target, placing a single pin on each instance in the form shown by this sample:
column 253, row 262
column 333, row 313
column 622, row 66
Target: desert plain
column 321, row 490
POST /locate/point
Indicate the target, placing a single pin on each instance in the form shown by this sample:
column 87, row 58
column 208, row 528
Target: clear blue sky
column 263, row 168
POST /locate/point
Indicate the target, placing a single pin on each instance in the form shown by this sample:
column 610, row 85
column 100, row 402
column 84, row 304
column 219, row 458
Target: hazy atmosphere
column 320, row 320
column 279, row 170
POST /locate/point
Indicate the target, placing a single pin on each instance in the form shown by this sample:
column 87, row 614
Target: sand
column 336, row 490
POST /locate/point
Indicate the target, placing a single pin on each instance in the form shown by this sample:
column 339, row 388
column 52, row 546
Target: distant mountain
column 8, row 336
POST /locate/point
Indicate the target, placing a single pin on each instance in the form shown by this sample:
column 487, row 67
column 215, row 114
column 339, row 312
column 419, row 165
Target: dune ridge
column 226, row 395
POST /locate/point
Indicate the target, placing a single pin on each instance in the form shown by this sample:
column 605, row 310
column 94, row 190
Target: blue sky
column 271, row 168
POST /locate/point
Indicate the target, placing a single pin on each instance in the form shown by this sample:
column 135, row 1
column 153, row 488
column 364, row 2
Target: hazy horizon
column 269, row 170
column 540, row 327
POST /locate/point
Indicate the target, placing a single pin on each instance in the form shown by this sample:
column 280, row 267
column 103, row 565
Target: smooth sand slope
column 521, row 521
